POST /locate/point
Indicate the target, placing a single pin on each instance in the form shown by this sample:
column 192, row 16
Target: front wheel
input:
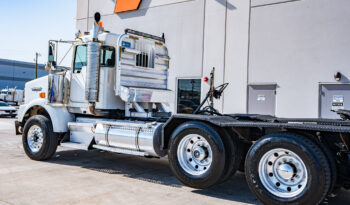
column 39, row 141
column 287, row 168
column 197, row 155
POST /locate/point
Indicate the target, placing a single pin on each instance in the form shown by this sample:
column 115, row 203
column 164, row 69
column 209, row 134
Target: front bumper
column 8, row 113
column 18, row 127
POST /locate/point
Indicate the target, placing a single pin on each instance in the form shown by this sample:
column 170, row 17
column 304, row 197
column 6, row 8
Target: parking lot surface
column 96, row 177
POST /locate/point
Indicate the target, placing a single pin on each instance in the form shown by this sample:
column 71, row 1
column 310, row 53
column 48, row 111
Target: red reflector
column 206, row 79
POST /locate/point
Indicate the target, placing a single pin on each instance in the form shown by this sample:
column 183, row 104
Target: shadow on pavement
column 151, row 170
column 158, row 171
column 236, row 189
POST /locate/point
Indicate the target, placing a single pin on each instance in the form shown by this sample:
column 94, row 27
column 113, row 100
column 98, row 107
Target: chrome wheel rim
column 195, row 155
column 35, row 138
column 283, row 173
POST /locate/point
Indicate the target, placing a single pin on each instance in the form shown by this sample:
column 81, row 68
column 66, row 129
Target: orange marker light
column 42, row 95
column 100, row 24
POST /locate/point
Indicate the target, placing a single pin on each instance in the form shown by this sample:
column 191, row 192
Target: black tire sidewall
column 316, row 177
column 46, row 128
column 214, row 173
column 233, row 152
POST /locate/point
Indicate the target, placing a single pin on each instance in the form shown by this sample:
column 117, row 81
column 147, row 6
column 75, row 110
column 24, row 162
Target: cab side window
column 107, row 56
column 80, row 59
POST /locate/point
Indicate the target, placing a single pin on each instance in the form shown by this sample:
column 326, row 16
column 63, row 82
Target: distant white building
column 281, row 57
column 17, row 73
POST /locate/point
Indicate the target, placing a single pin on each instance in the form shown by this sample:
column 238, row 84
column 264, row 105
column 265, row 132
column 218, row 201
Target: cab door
column 77, row 90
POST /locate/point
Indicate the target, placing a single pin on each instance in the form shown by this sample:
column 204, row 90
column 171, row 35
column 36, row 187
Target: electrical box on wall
column 333, row 97
column 262, row 99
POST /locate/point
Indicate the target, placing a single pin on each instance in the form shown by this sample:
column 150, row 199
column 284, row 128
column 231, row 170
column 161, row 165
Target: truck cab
column 3, row 94
column 116, row 82
column 12, row 95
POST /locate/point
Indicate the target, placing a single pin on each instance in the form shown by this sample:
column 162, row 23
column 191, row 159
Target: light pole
column 37, row 55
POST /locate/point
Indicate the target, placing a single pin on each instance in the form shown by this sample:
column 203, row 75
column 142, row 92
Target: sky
column 28, row 25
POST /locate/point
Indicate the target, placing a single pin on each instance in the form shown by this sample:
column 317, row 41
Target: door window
column 188, row 95
column 80, row 59
column 107, row 56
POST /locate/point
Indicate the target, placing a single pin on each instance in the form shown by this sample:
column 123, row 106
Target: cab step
column 75, row 145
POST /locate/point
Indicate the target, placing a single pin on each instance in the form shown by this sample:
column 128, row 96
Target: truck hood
column 35, row 87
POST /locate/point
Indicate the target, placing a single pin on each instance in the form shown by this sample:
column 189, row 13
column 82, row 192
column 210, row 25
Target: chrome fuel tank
column 137, row 136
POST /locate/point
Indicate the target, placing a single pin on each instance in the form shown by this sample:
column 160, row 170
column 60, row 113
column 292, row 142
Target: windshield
column 4, row 92
column 2, row 104
column 107, row 57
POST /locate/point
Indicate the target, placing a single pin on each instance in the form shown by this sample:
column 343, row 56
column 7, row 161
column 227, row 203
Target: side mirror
column 51, row 55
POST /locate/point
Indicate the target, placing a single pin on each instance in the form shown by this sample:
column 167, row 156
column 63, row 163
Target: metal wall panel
column 181, row 22
column 262, row 99
column 298, row 44
column 82, row 9
column 269, row 2
column 236, row 56
column 333, row 97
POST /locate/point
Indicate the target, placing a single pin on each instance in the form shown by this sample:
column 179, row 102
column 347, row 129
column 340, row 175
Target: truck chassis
column 285, row 160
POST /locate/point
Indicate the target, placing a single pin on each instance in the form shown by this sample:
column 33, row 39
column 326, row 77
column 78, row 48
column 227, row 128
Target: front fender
column 59, row 114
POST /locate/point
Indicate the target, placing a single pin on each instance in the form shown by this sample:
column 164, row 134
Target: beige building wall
column 295, row 44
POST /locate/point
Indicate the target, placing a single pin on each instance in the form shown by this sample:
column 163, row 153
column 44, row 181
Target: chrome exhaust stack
column 93, row 67
column 92, row 72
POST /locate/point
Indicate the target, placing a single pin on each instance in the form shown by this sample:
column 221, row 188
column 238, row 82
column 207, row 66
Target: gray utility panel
column 262, row 99
column 333, row 97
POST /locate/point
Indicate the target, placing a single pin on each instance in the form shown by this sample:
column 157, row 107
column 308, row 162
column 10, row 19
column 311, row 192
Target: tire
column 233, row 153
column 309, row 171
column 245, row 148
column 333, row 167
column 46, row 141
column 333, row 188
column 196, row 177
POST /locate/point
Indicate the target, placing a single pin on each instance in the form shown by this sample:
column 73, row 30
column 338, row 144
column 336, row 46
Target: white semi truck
column 12, row 96
column 115, row 97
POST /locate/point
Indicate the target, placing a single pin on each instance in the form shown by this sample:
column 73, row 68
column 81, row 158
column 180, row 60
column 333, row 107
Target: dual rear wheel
column 281, row 168
column 287, row 168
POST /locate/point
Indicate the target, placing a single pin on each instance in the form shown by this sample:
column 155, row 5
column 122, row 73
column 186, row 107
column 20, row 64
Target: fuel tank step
column 75, row 145
column 119, row 150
